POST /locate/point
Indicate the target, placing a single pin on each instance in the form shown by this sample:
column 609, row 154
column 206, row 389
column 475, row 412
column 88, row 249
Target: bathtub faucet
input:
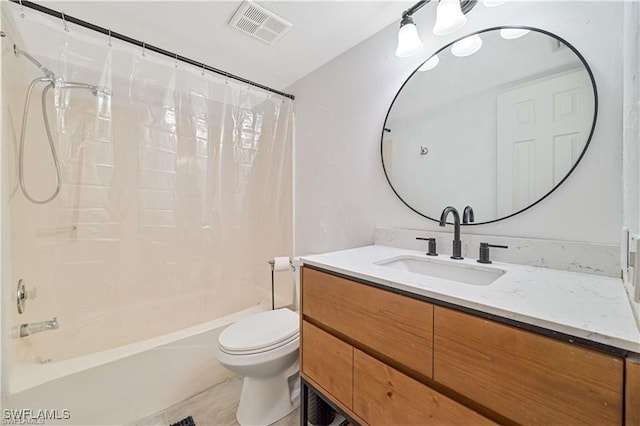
column 37, row 327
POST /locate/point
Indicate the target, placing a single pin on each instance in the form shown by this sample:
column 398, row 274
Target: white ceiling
column 322, row 30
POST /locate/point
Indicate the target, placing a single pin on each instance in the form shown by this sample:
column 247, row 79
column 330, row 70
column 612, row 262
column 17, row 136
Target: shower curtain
column 176, row 191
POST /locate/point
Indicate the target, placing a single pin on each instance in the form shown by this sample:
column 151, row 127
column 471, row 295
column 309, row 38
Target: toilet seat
column 260, row 332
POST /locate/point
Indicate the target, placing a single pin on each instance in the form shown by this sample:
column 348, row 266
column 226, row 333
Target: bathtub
column 125, row 384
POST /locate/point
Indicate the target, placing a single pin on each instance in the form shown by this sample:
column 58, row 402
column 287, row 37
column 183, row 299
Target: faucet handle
column 432, row 246
column 468, row 216
column 485, row 254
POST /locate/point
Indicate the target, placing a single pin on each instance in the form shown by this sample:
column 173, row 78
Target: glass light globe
column 409, row 42
column 449, row 17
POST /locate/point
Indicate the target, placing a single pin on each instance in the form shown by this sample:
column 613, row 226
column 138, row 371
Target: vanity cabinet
column 364, row 347
column 386, row 358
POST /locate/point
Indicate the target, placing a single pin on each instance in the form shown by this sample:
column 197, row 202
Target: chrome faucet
column 37, row 327
column 457, row 244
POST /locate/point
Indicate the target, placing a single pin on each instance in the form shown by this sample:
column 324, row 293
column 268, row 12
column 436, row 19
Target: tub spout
column 37, row 327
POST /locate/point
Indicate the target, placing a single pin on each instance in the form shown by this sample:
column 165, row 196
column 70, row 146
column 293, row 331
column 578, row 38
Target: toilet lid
column 260, row 331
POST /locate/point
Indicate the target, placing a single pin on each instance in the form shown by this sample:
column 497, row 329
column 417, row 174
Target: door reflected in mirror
column 498, row 129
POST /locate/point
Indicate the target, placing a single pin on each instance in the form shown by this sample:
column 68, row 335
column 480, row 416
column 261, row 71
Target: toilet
column 263, row 348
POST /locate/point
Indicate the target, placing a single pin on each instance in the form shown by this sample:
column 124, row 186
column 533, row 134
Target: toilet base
column 264, row 401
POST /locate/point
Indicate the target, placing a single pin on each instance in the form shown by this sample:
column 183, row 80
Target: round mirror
column 495, row 121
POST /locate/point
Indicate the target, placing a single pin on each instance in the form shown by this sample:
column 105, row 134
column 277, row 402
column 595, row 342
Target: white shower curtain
column 176, row 192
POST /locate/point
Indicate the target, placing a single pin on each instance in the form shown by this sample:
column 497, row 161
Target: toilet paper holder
column 273, row 262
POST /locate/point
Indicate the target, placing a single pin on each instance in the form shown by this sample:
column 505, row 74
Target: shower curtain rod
column 66, row 18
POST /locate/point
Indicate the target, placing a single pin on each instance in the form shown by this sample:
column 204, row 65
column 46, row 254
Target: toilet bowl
column 264, row 349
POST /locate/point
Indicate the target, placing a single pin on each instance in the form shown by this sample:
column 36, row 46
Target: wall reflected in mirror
column 497, row 129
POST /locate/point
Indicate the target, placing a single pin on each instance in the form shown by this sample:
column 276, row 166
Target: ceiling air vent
column 259, row 22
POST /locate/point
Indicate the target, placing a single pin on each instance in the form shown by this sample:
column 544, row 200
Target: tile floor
column 215, row 406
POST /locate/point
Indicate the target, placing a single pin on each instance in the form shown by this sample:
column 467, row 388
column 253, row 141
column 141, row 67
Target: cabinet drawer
column 528, row 378
column 395, row 326
column 328, row 362
column 385, row 396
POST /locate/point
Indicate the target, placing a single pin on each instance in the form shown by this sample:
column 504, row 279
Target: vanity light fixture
column 512, row 33
column 449, row 18
column 430, row 64
column 467, row 46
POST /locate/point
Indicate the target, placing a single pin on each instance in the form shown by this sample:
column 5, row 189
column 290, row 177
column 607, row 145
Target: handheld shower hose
column 51, row 83
column 52, row 147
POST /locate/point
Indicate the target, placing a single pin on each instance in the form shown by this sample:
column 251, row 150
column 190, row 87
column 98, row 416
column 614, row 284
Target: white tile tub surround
column 588, row 258
column 586, row 306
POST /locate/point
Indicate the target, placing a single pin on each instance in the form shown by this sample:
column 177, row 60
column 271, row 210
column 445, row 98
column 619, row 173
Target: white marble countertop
column 586, row 306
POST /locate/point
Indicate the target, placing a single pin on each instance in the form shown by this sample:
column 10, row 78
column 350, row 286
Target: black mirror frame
column 584, row 150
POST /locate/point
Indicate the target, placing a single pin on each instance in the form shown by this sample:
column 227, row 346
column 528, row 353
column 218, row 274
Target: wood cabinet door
column 328, row 362
column 528, row 378
column 384, row 396
column 394, row 326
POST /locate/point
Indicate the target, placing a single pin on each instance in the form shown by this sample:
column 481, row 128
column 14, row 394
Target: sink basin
column 460, row 272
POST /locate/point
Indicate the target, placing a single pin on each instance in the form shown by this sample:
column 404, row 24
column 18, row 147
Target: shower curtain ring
column 176, row 64
column 66, row 27
column 144, row 46
column 202, row 69
column 226, row 78
column 22, row 15
column 109, row 44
